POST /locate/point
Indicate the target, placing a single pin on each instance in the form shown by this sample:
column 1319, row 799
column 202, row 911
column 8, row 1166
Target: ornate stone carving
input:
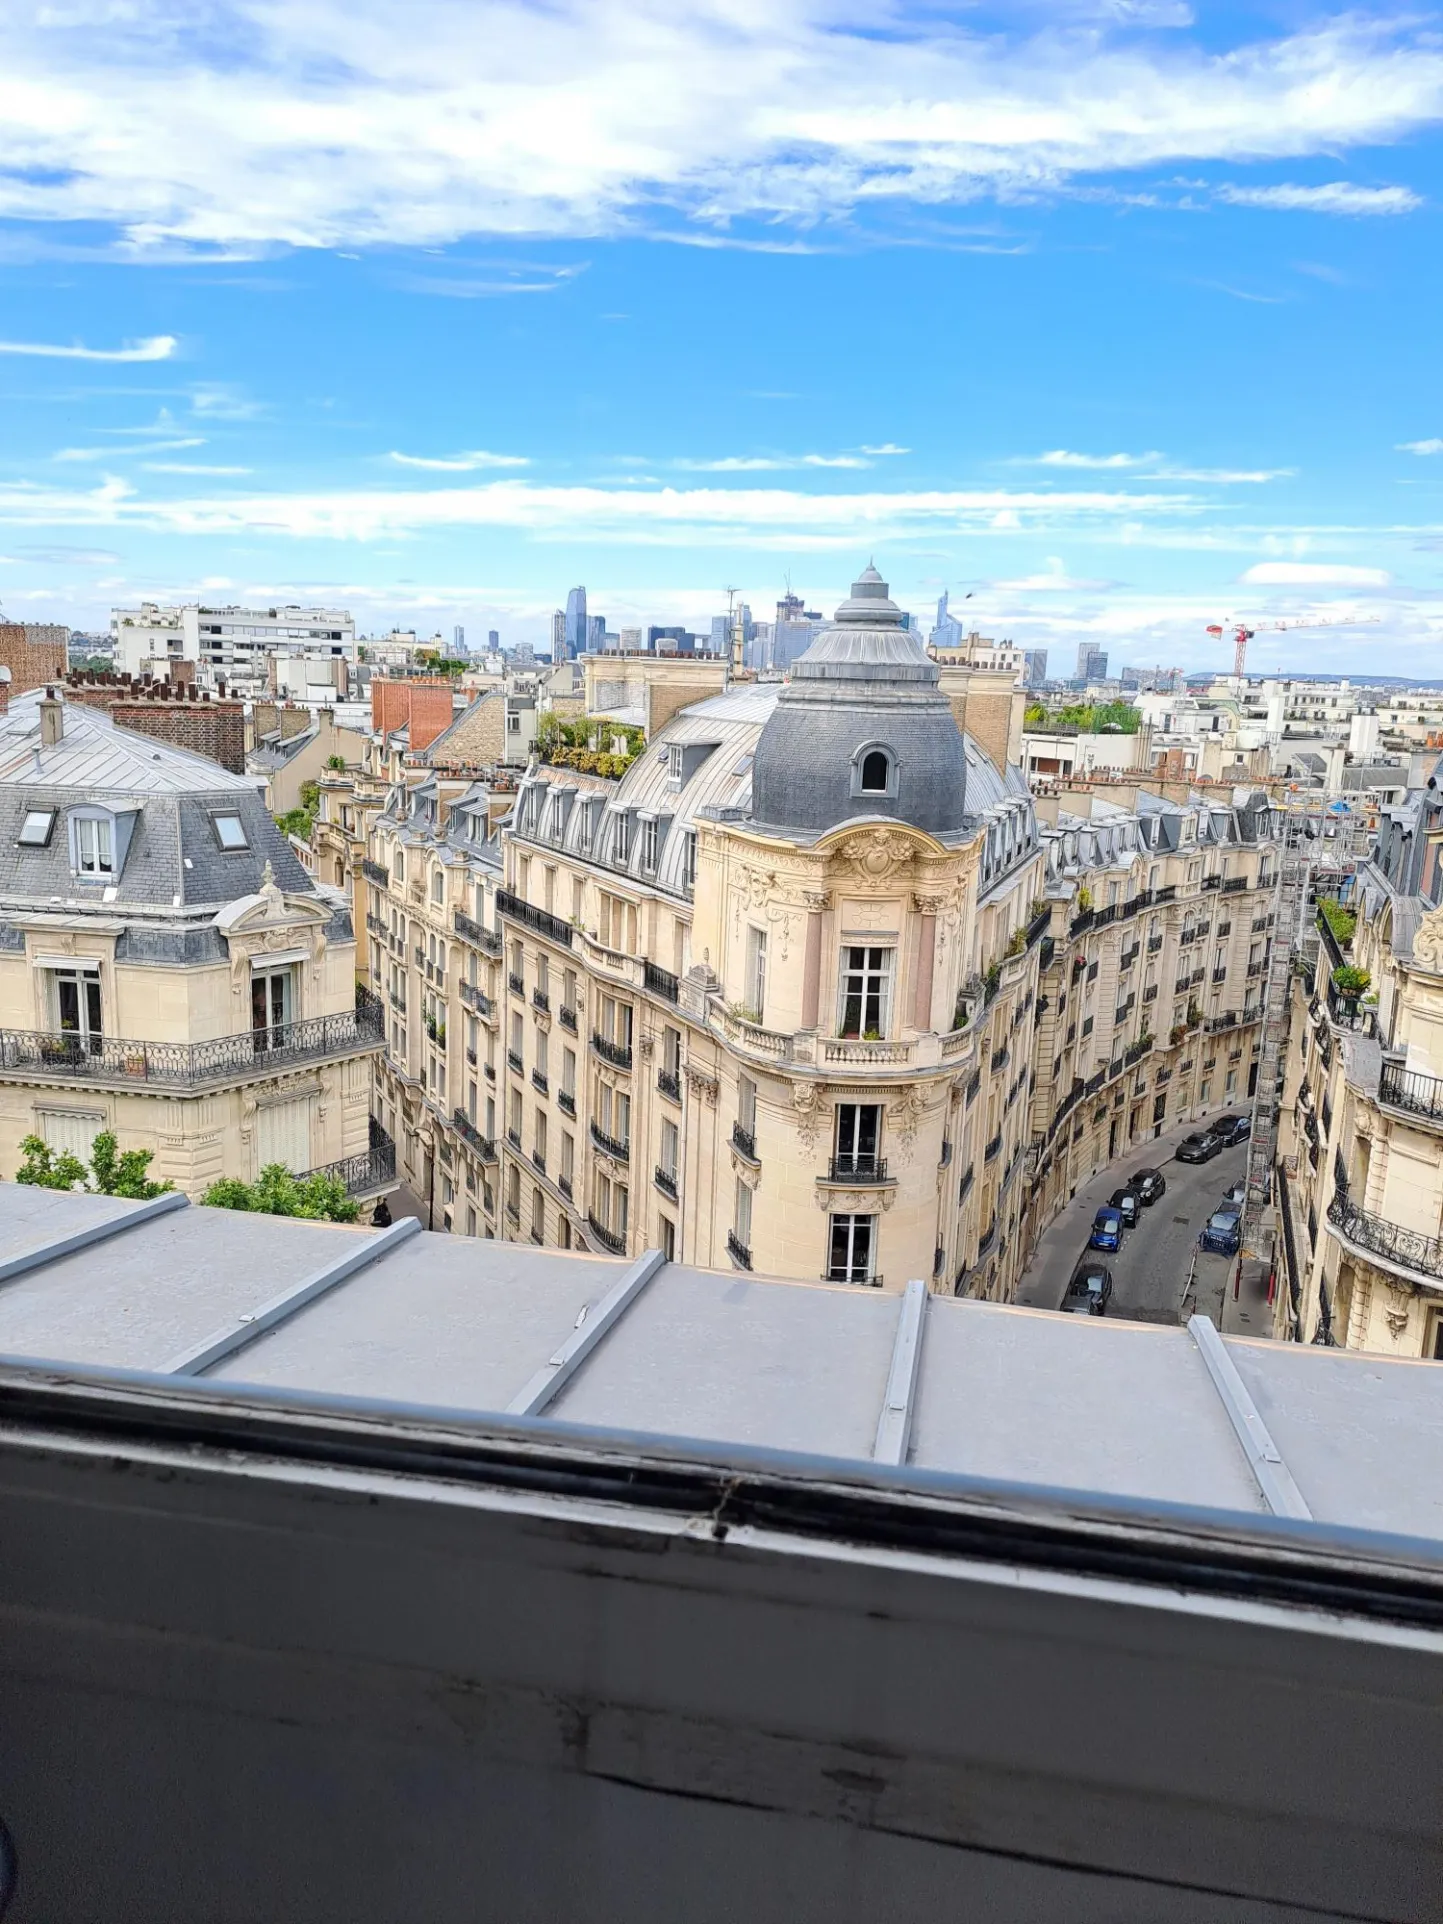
column 903, row 1115
column 806, row 1109
column 701, row 1084
column 930, row 904
column 645, row 1045
column 1396, row 1310
column 879, row 854
column 816, row 901
column 1428, row 943
column 854, row 1202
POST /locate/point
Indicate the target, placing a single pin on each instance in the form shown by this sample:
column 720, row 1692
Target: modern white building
column 231, row 643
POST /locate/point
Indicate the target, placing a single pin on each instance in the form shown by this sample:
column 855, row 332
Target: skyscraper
column 1035, row 660
column 493, row 638
column 576, row 623
column 558, row 636
column 458, row 639
column 1091, row 662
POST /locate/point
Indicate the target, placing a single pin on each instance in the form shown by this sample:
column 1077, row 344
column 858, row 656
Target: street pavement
column 1150, row 1273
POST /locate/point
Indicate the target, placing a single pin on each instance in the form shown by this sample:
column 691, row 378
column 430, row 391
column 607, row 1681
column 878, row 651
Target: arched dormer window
column 874, row 771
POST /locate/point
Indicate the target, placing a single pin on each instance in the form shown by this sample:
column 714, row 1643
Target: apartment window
column 518, row 961
column 77, row 1003
column 568, row 990
column 874, row 772
column 866, row 992
column 670, row 1142
column 539, row 1044
column 666, row 1237
column 742, row 1216
column 649, row 837
column 755, row 986
column 35, row 829
column 513, row 1191
column 612, row 1205
column 543, row 975
column 674, row 756
column 613, row 1108
column 470, row 1220
column 517, row 1035
column 859, row 1128
column 747, row 1104
column 621, row 839
column 272, row 1000
column 538, row 1216
column 513, row 1114
column 578, row 896
column 851, row 1249
column 671, row 1052
column 398, row 865
column 568, row 1159
column 540, row 1124
column 93, row 845
column 448, row 1191
column 688, row 860
column 438, row 886
column 563, row 1230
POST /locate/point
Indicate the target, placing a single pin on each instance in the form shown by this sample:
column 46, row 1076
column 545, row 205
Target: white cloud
column 1337, row 197
column 189, row 467
column 159, row 347
column 887, row 447
column 461, row 463
column 1065, row 458
column 129, row 453
column 1314, row 574
column 456, row 117
column 1433, row 446
column 770, row 463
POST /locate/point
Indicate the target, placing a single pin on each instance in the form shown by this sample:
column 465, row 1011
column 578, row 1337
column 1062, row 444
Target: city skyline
column 1099, row 312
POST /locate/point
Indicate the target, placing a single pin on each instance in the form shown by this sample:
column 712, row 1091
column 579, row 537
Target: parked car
column 1128, row 1206
column 1201, row 1146
column 1090, row 1291
column 1106, row 1229
column 1232, row 1129
column 1234, row 1196
column 1149, row 1185
column 1222, row 1233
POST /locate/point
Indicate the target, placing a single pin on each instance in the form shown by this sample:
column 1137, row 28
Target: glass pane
column 69, row 990
column 92, row 1004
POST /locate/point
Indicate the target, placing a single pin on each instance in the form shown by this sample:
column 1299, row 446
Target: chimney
column 4, row 690
column 52, row 720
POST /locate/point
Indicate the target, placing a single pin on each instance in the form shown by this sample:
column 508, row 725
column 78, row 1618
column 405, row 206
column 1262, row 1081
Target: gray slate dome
column 862, row 728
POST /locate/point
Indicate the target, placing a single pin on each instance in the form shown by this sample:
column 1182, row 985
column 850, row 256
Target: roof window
column 35, row 830
column 230, row 831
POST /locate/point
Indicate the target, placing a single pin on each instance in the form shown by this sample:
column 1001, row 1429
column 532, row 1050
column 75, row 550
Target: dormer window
column 92, row 845
column 874, row 771
column 35, row 830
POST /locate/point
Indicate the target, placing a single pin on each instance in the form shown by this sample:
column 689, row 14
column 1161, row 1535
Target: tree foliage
column 113, row 1171
column 276, row 1191
column 1340, row 920
column 1090, row 718
column 594, row 746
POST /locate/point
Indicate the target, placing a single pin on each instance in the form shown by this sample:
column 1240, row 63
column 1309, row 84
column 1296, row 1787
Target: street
column 1150, row 1271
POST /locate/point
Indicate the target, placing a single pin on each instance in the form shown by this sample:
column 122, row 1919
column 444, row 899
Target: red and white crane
column 1243, row 631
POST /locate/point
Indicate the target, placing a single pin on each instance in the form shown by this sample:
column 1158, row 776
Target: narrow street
column 1150, row 1271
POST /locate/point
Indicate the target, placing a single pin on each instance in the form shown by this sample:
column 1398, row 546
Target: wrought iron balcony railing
column 744, row 1141
column 368, row 1173
column 611, row 1145
column 1411, row 1090
column 618, row 1054
column 606, row 1237
column 669, row 1083
column 660, row 981
column 1391, row 1242
column 738, row 1251
column 666, row 1181
column 472, row 930
column 128, row 1064
column 540, row 921
column 858, row 1169
column 468, row 1132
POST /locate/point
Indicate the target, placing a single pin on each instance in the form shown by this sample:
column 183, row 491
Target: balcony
column 858, row 1169
column 1154, row 943
column 541, row 1001
column 1212, row 881
column 993, row 1149
column 373, row 872
column 1411, row 1091
column 660, row 982
column 986, row 1239
column 1235, row 884
column 115, row 1062
column 540, row 1083
column 484, row 1147
column 563, row 1183
column 513, row 1136
column 669, row 1083
column 1000, row 1060
column 618, row 1054
column 513, row 1061
column 367, row 1174
column 516, row 984
column 744, row 1141
column 475, row 998
column 566, row 1102
column 738, row 1250
column 539, row 921
column 566, row 1015
column 1408, row 1250
column 964, row 1186
column 665, row 1180
column 472, row 931
column 858, row 1278
column 1219, row 976
column 538, row 1161
column 610, row 1145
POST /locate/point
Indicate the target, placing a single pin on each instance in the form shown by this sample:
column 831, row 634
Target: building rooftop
column 1114, row 1412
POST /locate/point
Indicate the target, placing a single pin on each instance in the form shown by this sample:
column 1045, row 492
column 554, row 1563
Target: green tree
column 278, row 1192
column 113, row 1171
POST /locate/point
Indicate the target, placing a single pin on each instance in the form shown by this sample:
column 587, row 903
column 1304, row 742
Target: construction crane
column 1243, row 632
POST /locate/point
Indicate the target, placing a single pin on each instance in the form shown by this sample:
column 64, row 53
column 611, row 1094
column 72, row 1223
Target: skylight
column 35, row 829
column 230, row 831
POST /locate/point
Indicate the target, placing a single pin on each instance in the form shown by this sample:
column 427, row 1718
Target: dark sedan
column 1230, row 1130
column 1127, row 1204
column 1090, row 1291
column 1201, row 1146
column 1149, row 1185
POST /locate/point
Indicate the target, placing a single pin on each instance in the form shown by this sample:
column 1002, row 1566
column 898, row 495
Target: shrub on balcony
column 1341, row 921
column 277, row 1192
column 1350, row 981
column 112, row 1171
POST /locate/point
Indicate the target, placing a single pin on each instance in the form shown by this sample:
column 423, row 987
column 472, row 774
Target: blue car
column 1222, row 1233
column 1106, row 1230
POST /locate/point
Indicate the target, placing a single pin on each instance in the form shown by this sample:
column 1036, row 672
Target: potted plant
column 1350, row 982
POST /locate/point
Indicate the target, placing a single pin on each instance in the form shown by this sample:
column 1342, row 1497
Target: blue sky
column 1121, row 314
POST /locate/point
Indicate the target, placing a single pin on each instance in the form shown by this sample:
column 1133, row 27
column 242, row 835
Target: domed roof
column 862, row 729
